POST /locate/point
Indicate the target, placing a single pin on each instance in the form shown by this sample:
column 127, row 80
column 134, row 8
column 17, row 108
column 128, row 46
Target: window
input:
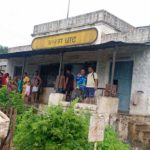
column 18, row 71
column 2, row 68
column 48, row 74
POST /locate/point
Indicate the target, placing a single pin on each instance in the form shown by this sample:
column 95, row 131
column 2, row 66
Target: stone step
column 142, row 127
column 146, row 141
column 146, row 135
column 139, row 132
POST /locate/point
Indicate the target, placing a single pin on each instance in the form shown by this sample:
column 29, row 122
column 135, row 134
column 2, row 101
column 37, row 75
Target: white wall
column 12, row 63
column 141, row 82
column 102, row 30
column 140, row 79
column 82, row 20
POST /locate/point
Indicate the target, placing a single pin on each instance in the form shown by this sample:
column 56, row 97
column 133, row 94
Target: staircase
column 139, row 135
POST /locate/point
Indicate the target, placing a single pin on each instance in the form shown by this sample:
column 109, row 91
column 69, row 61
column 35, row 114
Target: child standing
column 27, row 92
column 20, row 85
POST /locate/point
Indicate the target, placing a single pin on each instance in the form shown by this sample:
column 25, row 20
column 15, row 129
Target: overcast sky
column 18, row 17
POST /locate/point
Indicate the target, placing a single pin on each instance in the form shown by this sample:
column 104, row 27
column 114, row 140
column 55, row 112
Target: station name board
column 86, row 36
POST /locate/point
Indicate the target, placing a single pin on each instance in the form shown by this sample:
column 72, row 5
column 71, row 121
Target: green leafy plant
column 55, row 129
column 11, row 99
column 111, row 141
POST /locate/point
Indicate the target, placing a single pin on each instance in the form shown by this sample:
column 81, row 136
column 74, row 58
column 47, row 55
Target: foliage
column 56, row 129
column 3, row 49
column 12, row 99
column 111, row 141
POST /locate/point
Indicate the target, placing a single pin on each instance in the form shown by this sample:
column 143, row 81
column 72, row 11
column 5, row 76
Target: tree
column 3, row 49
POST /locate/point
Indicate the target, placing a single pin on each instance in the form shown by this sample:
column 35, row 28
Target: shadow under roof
column 30, row 53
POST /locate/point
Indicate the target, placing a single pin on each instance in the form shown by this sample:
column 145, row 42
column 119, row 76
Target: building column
column 102, row 69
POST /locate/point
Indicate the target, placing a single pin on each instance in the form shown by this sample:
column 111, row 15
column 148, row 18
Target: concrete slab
column 56, row 98
column 108, row 105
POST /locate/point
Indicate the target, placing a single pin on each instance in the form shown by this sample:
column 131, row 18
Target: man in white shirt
column 92, row 85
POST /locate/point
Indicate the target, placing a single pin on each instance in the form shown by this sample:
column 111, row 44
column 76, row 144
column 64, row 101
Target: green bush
column 56, row 129
column 12, row 99
column 112, row 142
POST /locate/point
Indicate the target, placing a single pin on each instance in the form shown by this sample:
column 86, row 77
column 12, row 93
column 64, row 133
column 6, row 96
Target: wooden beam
column 60, row 67
column 23, row 67
column 113, row 67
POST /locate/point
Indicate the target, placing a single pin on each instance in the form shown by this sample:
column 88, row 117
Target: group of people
column 29, row 88
column 5, row 80
column 82, row 85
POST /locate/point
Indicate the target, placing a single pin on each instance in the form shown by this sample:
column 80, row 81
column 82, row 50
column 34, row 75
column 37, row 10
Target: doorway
column 48, row 74
column 123, row 80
